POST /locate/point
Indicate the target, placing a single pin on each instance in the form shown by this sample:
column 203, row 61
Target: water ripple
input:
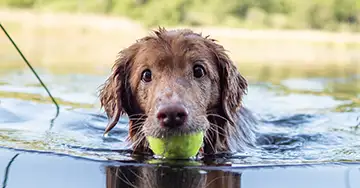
column 295, row 128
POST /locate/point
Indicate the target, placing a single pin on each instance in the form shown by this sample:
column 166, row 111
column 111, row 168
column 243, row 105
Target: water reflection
column 34, row 170
column 164, row 177
column 185, row 176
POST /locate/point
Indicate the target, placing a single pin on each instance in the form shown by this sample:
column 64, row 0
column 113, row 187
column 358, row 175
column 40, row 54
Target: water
column 310, row 118
column 55, row 171
column 297, row 125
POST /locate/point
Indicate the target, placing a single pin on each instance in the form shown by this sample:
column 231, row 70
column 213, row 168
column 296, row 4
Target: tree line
column 332, row 15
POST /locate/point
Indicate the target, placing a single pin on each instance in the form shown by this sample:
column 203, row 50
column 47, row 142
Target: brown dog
column 177, row 82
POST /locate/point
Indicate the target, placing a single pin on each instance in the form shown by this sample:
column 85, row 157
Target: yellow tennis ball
column 176, row 147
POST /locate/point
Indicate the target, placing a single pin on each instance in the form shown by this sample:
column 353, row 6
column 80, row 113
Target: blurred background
column 63, row 33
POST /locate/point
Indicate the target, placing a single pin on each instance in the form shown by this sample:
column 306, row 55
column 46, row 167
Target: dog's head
column 174, row 82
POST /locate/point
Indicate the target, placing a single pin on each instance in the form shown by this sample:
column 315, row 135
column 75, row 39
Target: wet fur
column 231, row 125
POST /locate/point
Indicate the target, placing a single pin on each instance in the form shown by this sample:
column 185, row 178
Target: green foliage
column 18, row 3
column 289, row 14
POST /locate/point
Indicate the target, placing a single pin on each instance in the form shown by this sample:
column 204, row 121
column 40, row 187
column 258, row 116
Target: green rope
column 37, row 76
column 7, row 169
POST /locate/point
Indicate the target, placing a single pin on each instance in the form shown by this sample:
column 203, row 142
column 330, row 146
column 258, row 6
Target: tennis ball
column 176, row 147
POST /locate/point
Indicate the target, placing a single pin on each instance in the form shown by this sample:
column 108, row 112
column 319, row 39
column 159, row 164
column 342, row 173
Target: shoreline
column 105, row 22
column 51, row 39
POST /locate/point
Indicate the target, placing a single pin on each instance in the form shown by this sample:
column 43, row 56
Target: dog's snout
column 172, row 115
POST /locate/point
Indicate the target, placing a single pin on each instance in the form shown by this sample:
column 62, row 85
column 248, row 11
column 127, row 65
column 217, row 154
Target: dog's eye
column 199, row 71
column 146, row 75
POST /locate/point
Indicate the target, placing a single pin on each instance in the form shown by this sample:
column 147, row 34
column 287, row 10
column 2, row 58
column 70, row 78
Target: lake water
column 310, row 119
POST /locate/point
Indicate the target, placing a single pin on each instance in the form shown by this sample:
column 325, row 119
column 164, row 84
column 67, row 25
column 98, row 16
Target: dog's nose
column 173, row 115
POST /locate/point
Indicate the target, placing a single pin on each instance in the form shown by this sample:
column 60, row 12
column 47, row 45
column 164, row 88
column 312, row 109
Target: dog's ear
column 233, row 85
column 115, row 94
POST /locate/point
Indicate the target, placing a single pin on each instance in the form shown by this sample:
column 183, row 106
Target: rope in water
column 7, row 170
column 43, row 85
column 32, row 69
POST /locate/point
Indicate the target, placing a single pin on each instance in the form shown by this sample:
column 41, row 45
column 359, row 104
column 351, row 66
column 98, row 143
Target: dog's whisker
column 217, row 126
column 221, row 132
column 137, row 119
column 138, row 114
column 219, row 116
column 141, row 114
column 135, row 127
column 210, row 142
column 217, row 132
column 139, row 139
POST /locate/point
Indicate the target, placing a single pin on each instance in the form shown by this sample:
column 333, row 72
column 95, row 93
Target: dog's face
column 173, row 83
